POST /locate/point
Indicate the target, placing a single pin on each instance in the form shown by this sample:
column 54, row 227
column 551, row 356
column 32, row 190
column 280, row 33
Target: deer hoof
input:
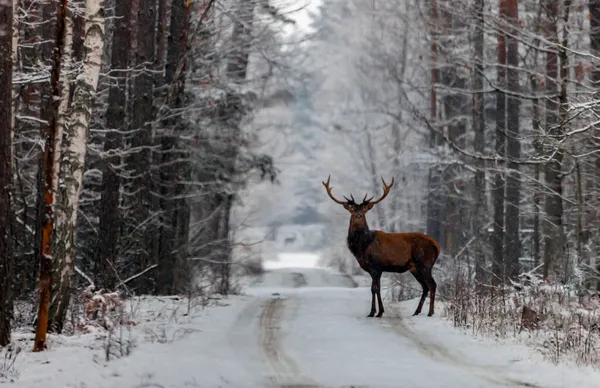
column 371, row 315
column 379, row 315
column 416, row 313
column 430, row 313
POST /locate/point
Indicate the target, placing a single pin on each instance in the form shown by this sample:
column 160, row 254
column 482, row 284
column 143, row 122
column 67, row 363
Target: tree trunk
column 109, row 222
column 480, row 212
column 6, row 258
column 512, row 240
column 48, row 175
column 381, row 220
column 141, row 229
column 498, row 190
column 59, row 243
column 73, row 156
column 230, row 138
column 594, row 7
column 553, row 206
column 397, row 130
column 174, row 276
column 434, row 178
column 563, row 127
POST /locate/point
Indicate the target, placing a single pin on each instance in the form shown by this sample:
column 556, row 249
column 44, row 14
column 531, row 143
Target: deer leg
column 432, row 286
column 419, row 278
column 373, row 292
column 379, row 301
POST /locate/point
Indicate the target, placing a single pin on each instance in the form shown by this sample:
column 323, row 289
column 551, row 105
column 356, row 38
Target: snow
column 294, row 326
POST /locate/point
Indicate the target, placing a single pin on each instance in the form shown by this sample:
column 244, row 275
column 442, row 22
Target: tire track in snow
column 286, row 373
column 439, row 352
column 241, row 337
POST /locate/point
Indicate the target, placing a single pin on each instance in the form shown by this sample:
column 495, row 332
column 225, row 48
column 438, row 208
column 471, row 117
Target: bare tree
column 6, row 256
column 48, row 175
column 74, row 152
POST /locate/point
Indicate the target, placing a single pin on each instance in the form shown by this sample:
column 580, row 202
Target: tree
column 73, row 152
column 553, row 205
column 116, row 122
column 45, row 252
column 481, row 211
column 512, row 242
column 498, row 190
column 141, row 228
column 6, row 253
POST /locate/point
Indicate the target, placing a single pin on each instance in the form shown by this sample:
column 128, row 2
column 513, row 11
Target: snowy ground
column 294, row 327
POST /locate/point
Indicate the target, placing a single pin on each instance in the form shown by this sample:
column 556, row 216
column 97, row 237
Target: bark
column 14, row 54
column 175, row 169
column 109, row 222
column 537, row 170
column 562, row 128
column 157, row 186
column 553, row 229
column 73, row 155
column 397, row 131
column 512, row 240
column 434, row 179
column 63, row 107
column 50, row 11
column 6, row 258
column 48, row 175
column 480, row 212
column 498, row 189
column 594, row 7
column 229, row 118
column 59, row 245
column 141, row 231
column 376, row 186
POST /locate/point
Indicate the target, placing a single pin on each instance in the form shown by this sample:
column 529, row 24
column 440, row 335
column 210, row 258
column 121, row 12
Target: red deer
column 377, row 251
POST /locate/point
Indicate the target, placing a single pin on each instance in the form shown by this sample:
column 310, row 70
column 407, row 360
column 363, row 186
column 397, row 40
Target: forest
column 140, row 140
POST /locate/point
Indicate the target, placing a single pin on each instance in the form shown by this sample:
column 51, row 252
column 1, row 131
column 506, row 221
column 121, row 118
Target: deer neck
column 359, row 237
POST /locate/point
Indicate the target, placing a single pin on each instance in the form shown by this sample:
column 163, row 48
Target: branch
column 136, row 275
column 83, row 275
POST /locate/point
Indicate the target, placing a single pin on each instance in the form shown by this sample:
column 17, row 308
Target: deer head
column 358, row 211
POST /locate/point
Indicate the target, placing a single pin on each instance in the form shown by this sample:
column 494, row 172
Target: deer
column 377, row 251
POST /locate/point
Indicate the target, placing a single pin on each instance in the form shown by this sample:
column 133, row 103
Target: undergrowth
column 562, row 322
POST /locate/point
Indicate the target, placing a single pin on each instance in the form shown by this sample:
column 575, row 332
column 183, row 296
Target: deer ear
column 369, row 206
column 347, row 207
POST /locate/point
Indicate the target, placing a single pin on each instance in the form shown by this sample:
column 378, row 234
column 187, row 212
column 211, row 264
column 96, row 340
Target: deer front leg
column 373, row 293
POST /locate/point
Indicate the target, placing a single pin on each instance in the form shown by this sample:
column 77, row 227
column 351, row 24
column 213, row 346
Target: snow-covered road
column 303, row 327
column 308, row 328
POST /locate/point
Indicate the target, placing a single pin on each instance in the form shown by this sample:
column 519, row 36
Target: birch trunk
column 60, row 125
column 64, row 99
column 74, row 151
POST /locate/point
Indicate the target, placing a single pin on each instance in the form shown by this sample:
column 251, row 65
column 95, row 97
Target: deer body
column 377, row 251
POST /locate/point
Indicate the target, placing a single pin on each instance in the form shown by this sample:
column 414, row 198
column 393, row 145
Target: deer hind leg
column 432, row 287
column 379, row 301
column 424, row 286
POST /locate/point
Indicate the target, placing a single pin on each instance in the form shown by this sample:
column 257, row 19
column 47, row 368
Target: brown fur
column 377, row 251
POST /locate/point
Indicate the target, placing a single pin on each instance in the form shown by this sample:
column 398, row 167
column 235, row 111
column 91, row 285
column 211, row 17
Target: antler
column 386, row 191
column 365, row 200
column 331, row 195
